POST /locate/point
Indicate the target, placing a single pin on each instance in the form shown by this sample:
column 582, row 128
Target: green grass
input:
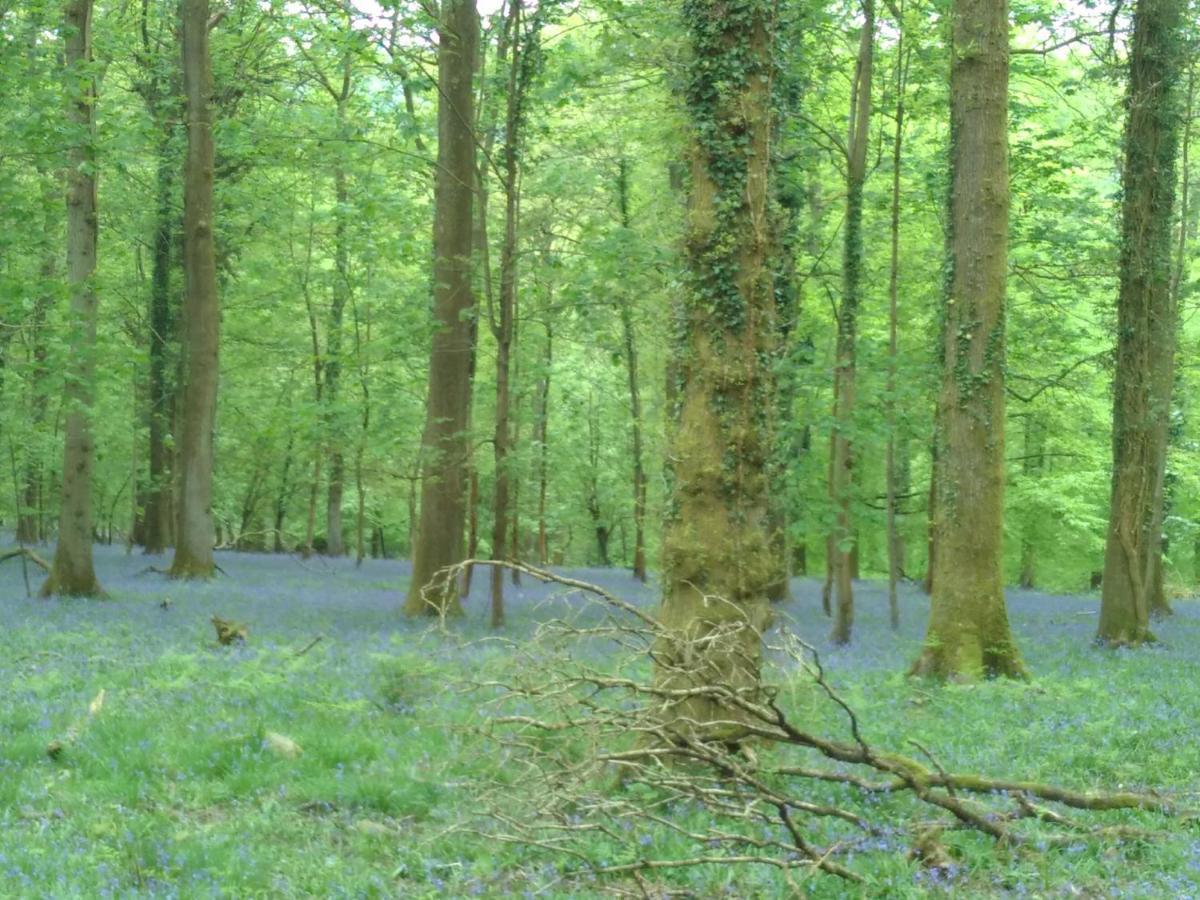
column 173, row 790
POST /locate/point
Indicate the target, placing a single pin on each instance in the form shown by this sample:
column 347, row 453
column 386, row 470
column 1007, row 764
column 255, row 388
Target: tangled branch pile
column 593, row 729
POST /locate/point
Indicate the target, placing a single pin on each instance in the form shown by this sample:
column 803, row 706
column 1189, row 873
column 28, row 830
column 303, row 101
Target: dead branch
column 589, row 728
column 27, row 554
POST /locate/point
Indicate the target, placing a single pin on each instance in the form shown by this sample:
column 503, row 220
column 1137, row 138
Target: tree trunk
column 157, row 534
column 629, row 337
column 194, row 543
column 72, row 572
column 445, row 446
column 334, row 544
column 846, row 366
column 1160, row 607
column 968, row 633
column 931, row 543
column 282, row 497
column 717, row 558
column 1146, row 323
column 541, row 431
column 895, row 563
column 830, row 537
column 595, row 510
column 1031, row 465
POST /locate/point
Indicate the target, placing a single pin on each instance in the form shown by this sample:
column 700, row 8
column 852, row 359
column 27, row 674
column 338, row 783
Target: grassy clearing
column 174, row 788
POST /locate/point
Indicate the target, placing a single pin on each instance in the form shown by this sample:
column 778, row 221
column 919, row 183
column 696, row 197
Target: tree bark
column 157, row 534
column 895, row 561
column 72, row 572
column 504, row 329
column 629, row 337
column 196, row 534
column 334, row 542
column 540, row 439
column 846, row 365
column 1031, row 465
column 717, row 557
column 439, row 542
column 968, row 634
column 1146, row 323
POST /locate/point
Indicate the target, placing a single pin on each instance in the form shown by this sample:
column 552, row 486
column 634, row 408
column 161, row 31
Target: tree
column 72, row 572
column 629, row 343
column 1146, row 317
column 717, row 555
column 968, row 634
column 504, row 326
column 895, row 545
column 201, row 317
column 842, row 465
column 159, row 87
column 439, row 540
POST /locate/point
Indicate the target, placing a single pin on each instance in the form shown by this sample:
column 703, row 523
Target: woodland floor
column 172, row 788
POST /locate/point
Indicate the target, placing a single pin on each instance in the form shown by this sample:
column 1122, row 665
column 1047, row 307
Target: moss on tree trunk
column 968, row 633
column 717, row 557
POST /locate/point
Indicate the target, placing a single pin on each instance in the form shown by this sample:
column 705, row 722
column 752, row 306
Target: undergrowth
column 175, row 788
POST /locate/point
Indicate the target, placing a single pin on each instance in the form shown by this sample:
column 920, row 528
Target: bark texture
column 968, row 634
column 629, row 338
column 439, row 540
column 201, row 316
column 842, row 487
column 717, row 558
column 72, row 572
column 1146, row 318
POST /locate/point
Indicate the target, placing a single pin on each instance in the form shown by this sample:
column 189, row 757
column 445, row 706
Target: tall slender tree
column 1146, row 322
column 717, row 555
column 504, row 324
column 629, row 339
column 201, row 316
column 895, row 547
column 439, row 539
column 72, row 572
column 842, row 470
column 159, row 87
column 968, row 633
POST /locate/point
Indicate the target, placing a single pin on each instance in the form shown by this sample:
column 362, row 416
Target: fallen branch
column 26, row 553
column 310, row 645
column 566, row 727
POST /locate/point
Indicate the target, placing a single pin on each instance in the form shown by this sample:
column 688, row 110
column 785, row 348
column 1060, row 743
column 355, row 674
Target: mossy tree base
column 59, row 585
column 968, row 658
column 185, row 569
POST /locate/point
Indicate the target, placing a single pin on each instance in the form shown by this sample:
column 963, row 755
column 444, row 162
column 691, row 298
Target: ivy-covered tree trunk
column 717, row 558
column 968, row 633
column 846, row 365
column 196, row 534
column 1145, row 322
column 439, row 540
column 159, row 86
column 72, row 572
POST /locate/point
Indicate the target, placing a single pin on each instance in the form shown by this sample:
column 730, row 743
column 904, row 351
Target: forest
column 583, row 448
